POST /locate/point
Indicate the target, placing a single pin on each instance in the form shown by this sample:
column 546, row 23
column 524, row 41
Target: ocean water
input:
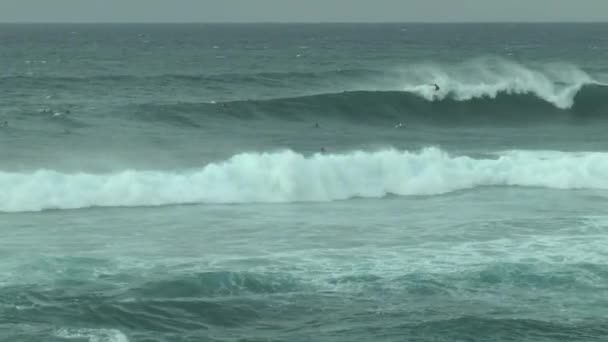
column 304, row 182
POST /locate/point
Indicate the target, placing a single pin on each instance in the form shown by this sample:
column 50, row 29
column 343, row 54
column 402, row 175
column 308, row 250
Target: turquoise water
column 303, row 183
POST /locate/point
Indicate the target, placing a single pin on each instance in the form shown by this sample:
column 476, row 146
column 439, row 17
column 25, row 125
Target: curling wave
column 557, row 84
column 491, row 90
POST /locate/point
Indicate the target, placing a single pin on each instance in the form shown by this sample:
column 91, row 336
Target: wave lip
column 287, row 176
column 488, row 77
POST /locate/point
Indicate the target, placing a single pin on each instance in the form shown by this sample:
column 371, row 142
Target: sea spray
column 288, row 176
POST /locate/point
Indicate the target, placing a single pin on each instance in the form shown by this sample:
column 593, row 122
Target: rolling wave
column 588, row 103
column 490, row 90
column 287, row 176
column 483, row 90
column 480, row 78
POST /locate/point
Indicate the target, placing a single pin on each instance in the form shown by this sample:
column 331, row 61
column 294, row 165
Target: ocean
column 303, row 182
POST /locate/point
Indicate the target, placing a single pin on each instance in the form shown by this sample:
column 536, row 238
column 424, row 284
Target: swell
column 371, row 107
column 364, row 107
column 267, row 78
column 287, row 176
column 483, row 90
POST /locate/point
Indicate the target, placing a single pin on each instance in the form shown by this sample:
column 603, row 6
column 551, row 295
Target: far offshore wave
column 485, row 89
column 584, row 103
column 288, row 176
column 203, row 77
column 483, row 77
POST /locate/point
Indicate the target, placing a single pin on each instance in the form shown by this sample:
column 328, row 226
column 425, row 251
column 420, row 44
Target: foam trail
column 93, row 335
column 288, row 176
column 557, row 84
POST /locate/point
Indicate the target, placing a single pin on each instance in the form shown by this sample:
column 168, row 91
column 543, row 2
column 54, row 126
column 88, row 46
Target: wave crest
column 485, row 90
column 557, row 84
column 288, row 176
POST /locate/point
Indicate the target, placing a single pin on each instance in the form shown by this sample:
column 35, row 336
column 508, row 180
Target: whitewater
column 287, row 176
column 555, row 83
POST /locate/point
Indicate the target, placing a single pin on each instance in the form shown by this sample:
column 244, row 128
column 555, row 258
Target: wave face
column 557, row 84
column 287, row 176
column 364, row 107
column 489, row 90
column 485, row 77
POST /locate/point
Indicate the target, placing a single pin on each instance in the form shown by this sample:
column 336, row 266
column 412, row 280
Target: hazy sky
column 300, row 10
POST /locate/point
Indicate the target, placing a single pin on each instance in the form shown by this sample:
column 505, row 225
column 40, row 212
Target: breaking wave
column 485, row 89
column 287, row 176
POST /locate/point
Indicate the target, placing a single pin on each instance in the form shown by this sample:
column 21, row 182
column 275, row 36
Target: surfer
column 399, row 125
column 436, row 87
column 317, row 125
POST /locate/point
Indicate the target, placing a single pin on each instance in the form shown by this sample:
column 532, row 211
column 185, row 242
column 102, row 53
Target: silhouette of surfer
column 436, row 87
column 317, row 125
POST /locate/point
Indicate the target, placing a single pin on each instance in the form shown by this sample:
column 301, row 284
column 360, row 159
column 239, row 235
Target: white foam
column 93, row 335
column 557, row 84
column 288, row 176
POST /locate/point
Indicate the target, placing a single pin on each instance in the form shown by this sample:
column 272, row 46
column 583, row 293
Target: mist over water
column 297, row 182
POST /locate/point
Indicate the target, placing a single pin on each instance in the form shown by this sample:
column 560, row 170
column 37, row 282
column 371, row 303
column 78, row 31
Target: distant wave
column 228, row 77
column 484, row 77
column 481, row 90
column 287, row 176
column 588, row 102
column 484, row 90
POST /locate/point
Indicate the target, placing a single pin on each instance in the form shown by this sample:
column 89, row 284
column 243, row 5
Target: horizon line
column 295, row 22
